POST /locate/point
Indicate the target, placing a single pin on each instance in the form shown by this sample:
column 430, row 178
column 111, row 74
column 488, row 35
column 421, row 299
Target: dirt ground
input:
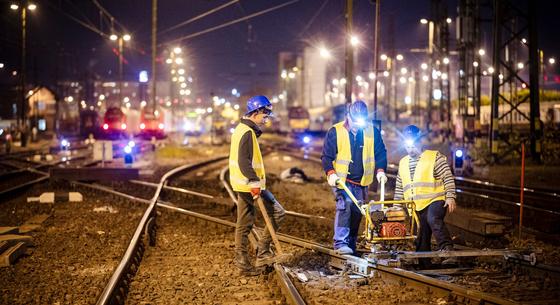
column 74, row 253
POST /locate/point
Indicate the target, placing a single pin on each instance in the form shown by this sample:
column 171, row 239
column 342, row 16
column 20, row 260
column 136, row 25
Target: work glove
column 255, row 189
column 333, row 179
column 381, row 177
column 450, row 204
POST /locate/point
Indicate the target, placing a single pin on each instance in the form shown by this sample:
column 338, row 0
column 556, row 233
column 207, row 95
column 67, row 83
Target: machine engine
column 390, row 223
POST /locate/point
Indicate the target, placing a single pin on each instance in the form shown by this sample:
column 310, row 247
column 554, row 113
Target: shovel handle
column 352, row 197
column 269, row 226
column 382, row 191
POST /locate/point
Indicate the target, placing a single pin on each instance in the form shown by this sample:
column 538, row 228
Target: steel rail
column 396, row 273
column 507, row 202
column 115, row 291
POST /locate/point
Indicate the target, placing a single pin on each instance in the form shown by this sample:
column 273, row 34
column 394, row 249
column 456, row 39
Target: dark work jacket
column 355, row 169
column 245, row 154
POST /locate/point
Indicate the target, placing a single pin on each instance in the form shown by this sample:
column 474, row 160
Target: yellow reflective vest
column 423, row 188
column 238, row 181
column 344, row 153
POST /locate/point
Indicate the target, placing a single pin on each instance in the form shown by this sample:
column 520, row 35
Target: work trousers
column 431, row 221
column 246, row 207
column 348, row 216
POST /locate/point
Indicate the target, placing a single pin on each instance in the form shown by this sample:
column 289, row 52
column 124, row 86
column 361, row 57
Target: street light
column 354, row 40
column 399, row 57
column 424, row 21
column 119, row 40
column 383, row 57
column 324, row 52
column 15, row 7
column 552, row 61
column 481, row 52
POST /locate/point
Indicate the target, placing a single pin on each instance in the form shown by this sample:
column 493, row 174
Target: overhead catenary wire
column 198, row 17
column 106, row 12
column 80, row 22
column 229, row 23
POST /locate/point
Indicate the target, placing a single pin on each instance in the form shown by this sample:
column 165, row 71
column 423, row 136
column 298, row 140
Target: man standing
column 352, row 151
column 425, row 177
column 248, row 179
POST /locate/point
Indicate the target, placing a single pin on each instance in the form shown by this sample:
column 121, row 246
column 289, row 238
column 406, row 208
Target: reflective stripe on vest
column 238, row 181
column 344, row 153
column 423, row 189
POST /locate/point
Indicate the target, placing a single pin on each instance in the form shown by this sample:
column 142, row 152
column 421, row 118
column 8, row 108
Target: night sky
column 240, row 56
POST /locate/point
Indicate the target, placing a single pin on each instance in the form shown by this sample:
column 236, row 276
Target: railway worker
column 353, row 153
column 247, row 177
column 425, row 177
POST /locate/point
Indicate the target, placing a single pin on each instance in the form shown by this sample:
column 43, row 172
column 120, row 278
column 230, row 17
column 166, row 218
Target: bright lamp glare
column 459, row 153
column 127, row 149
column 361, row 122
column 409, row 142
column 64, row 143
column 306, row 139
column 131, row 143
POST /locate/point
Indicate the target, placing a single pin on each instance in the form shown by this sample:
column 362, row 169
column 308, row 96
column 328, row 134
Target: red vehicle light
column 123, row 126
column 160, row 125
column 142, row 126
column 105, row 126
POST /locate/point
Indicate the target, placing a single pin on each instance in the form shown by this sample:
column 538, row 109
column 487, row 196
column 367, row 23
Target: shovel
column 280, row 256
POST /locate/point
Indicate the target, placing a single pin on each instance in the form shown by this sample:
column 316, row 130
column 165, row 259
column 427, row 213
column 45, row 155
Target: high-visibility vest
column 238, row 181
column 344, row 153
column 423, row 188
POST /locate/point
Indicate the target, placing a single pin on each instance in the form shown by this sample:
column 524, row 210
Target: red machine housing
column 392, row 229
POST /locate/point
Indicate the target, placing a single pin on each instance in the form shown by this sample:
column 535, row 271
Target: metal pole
column 120, row 47
column 21, row 121
column 522, row 186
column 534, row 84
column 376, row 56
column 349, row 56
column 154, row 45
column 430, row 74
column 493, row 134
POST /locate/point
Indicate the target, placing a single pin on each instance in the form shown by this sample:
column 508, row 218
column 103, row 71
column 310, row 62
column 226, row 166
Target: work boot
column 344, row 250
column 449, row 260
column 264, row 256
column 244, row 265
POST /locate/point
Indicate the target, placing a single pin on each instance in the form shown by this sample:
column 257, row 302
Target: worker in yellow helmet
column 425, row 177
column 353, row 154
column 248, row 179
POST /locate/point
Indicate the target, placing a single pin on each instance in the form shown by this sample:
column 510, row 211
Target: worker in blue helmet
column 353, row 154
column 425, row 177
column 248, row 179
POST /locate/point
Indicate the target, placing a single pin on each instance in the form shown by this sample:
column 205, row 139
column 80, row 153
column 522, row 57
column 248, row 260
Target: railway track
column 116, row 290
column 440, row 287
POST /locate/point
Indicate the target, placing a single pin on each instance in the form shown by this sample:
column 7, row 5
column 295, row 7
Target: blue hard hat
column 412, row 133
column 358, row 112
column 258, row 102
column 358, row 109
